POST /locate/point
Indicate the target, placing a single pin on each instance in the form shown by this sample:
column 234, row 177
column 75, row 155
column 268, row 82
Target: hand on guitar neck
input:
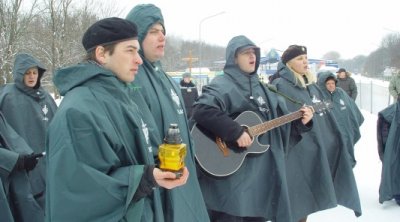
column 245, row 140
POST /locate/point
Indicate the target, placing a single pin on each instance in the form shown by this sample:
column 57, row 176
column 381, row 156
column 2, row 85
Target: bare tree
column 392, row 43
column 13, row 22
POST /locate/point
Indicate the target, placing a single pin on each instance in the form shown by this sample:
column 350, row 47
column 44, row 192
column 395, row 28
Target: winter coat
column 346, row 112
column 258, row 188
column 348, row 85
column 312, row 188
column 390, row 184
column 17, row 202
column 99, row 143
column 163, row 100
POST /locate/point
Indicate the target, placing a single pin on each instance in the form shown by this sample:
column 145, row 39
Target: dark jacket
column 258, row 188
column 333, row 183
column 163, row 100
column 16, row 193
column 348, row 85
column 390, row 184
column 346, row 112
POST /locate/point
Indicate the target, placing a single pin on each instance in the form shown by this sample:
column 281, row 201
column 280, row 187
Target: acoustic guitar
column 220, row 158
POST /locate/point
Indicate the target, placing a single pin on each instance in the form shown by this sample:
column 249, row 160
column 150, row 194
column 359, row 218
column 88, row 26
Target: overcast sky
column 350, row 27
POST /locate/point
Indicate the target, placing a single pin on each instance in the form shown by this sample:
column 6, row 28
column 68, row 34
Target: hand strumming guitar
column 307, row 114
column 244, row 140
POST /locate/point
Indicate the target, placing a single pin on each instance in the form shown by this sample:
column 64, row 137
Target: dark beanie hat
column 107, row 31
column 293, row 51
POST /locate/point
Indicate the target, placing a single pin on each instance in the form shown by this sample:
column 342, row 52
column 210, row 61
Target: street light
column 200, row 43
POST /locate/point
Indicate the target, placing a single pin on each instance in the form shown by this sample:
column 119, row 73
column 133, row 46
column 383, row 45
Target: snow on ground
column 368, row 174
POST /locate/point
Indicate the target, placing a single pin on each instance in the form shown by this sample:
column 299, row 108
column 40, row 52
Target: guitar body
column 212, row 159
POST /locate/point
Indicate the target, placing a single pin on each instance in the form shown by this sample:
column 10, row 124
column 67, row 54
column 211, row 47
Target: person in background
column 186, row 80
column 257, row 191
column 100, row 160
column 29, row 109
column 345, row 110
column 160, row 98
column 394, row 85
column 189, row 93
column 312, row 190
column 347, row 83
column 17, row 161
column 388, row 136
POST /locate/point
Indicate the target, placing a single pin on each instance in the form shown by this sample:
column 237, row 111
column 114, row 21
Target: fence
column 373, row 94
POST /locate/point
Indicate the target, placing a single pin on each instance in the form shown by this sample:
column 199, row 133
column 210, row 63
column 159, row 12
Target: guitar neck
column 266, row 126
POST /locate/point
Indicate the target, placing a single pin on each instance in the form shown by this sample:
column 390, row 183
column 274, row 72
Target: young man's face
column 124, row 61
column 153, row 44
column 299, row 64
column 330, row 85
column 246, row 60
column 31, row 77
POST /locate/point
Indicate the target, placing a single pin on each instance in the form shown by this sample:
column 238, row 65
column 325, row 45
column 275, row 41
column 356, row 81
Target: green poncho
column 29, row 111
column 346, row 112
column 16, row 193
column 162, row 100
column 259, row 187
column 319, row 170
column 97, row 147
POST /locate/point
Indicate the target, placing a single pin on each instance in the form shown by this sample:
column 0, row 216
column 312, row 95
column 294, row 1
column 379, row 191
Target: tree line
column 51, row 30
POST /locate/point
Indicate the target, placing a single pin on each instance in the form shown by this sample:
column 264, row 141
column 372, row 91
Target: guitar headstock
column 320, row 107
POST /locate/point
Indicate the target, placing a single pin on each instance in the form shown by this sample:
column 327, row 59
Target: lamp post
column 200, row 43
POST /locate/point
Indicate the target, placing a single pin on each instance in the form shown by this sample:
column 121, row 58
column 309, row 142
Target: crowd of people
column 95, row 156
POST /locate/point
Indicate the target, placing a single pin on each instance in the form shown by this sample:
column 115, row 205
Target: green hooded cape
column 259, row 187
column 16, row 193
column 162, row 99
column 319, row 170
column 349, row 117
column 29, row 111
column 97, row 147
column 390, row 176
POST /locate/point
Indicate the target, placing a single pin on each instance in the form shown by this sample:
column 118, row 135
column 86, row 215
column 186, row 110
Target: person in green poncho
column 318, row 168
column 100, row 160
column 348, row 115
column 17, row 195
column 29, row 109
column 257, row 191
column 160, row 99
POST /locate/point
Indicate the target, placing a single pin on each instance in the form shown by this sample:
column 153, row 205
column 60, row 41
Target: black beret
column 293, row 51
column 107, row 31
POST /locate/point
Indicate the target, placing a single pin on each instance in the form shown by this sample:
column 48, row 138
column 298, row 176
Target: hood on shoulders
column 67, row 78
column 22, row 63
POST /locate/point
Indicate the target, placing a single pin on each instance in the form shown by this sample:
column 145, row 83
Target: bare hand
column 244, row 140
column 168, row 179
column 307, row 114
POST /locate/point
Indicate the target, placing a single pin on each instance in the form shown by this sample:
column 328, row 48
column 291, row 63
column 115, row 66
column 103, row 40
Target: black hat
column 293, row 51
column 341, row 70
column 107, row 31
